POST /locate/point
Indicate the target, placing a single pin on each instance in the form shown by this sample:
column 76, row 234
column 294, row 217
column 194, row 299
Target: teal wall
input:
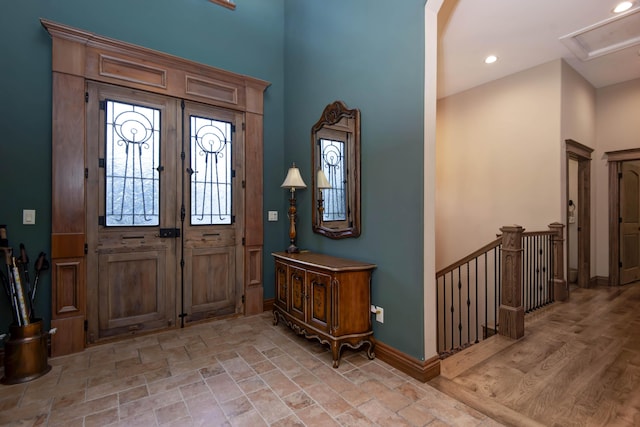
column 369, row 54
column 248, row 40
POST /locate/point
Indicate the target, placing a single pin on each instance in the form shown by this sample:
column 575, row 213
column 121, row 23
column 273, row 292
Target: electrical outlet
column 273, row 215
column 380, row 314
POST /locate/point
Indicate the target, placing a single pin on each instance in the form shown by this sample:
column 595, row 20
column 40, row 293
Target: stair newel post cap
column 511, row 228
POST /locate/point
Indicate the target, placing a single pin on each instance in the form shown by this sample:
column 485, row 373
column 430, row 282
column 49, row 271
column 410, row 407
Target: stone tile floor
column 234, row 372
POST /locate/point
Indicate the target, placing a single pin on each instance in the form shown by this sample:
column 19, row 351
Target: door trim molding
column 79, row 56
column 582, row 154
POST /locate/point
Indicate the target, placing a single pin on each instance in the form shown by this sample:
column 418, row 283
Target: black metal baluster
column 460, row 306
column 453, row 339
column 477, row 329
column 468, row 307
column 499, row 288
column 552, row 270
column 439, row 325
column 496, row 291
column 537, row 272
column 530, row 274
column 486, row 297
column 526, row 297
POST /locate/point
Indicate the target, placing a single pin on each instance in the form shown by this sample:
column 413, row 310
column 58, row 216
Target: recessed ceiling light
column 623, row 6
column 490, row 59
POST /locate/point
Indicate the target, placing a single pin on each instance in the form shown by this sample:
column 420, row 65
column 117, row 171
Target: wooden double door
column 164, row 211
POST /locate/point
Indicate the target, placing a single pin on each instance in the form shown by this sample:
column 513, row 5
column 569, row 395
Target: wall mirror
column 335, row 148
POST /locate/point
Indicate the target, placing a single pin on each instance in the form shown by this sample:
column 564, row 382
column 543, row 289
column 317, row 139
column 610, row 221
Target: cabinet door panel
column 320, row 300
column 281, row 286
column 297, row 295
column 352, row 302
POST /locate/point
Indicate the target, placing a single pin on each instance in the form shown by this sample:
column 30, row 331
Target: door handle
column 169, row 232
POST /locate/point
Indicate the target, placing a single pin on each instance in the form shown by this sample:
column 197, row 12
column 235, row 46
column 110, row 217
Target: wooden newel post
column 560, row 288
column 511, row 317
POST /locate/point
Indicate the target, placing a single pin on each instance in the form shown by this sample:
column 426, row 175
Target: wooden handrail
column 486, row 248
column 538, row 233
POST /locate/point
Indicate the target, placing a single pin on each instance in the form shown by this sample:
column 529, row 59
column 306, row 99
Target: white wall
column 617, row 128
column 578, row 108
column 498, row 160
column 578, row 124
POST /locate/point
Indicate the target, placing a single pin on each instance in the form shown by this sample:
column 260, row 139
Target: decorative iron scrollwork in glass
column 132, row 181
column 211, row 171
column 332, row 154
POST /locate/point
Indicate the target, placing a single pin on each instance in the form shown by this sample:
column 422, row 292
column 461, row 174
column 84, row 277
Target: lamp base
column 293, row 249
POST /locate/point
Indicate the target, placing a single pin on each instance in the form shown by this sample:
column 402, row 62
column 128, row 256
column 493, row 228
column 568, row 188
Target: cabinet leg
column 370, row 353
column 335, row 351
column 275, row 318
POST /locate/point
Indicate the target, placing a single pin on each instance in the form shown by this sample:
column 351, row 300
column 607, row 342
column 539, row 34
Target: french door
column 163, row 211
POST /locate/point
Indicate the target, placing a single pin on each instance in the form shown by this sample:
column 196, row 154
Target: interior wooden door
column 213, row 284
column 630, row 222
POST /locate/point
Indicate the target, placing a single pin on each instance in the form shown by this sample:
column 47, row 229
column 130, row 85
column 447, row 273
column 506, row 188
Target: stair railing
column 496, row 285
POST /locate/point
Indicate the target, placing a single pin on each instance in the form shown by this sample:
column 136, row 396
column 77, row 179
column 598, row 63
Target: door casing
column 581, row 153
column 79, row 56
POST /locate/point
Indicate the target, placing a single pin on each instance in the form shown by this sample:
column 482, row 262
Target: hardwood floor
column 577, row 365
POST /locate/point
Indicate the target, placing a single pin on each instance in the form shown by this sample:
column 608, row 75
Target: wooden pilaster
column 560, row 288
column 511, row 312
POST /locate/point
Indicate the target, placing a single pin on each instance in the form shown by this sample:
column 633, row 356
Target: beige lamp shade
column 322, row 182
column 293, row 179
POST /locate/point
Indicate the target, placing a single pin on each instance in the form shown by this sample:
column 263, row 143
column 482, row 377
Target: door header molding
column 85, row 54
column 580, row 150
column 622, row 155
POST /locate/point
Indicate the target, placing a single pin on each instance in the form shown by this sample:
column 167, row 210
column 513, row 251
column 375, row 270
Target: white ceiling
column 523, row 34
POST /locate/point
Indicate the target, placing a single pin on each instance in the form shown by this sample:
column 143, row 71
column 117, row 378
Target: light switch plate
column 273, row 215
column 28, row 216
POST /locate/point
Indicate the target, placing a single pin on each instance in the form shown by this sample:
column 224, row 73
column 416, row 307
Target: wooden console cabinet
column 326, row 298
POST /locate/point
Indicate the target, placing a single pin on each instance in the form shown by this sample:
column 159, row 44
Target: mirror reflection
column 335, row 140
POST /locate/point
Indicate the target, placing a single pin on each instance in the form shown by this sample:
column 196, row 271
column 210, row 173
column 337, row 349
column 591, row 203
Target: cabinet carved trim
column 325, row 298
